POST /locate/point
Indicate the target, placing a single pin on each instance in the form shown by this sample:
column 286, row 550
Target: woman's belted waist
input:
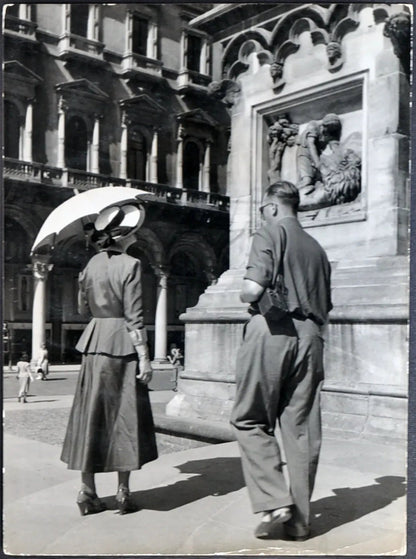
column 107, row 317
column 107, row 335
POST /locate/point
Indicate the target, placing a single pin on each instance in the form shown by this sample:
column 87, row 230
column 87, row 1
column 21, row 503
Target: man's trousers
column 279, row 374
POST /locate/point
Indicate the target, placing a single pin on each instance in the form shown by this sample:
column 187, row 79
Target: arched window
column 79, row 19
column 191, row 165
column 17, row 243
column 76, row 143
column 11, row 130
column 136, row 156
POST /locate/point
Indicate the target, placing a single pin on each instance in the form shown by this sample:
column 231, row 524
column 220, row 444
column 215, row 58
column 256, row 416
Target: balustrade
column 82, row 180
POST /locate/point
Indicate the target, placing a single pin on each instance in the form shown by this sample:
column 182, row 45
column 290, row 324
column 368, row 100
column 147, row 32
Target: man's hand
column 145, row 370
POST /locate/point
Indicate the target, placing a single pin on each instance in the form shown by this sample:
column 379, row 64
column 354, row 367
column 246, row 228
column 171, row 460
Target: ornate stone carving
column 328, row 172
column 397, row 28
column 225, row 90
column 281, row 134
column 41, row 269
column 334, row 52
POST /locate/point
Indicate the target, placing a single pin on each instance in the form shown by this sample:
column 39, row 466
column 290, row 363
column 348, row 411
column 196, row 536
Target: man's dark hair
column 286, row 192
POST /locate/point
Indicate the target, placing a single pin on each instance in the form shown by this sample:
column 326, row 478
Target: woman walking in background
column 111, row 424
column 43, row 363
column 24, row 375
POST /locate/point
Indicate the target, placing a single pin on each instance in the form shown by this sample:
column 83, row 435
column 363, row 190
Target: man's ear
column 275, row 209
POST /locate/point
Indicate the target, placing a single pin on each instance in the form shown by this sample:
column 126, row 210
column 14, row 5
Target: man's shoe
column 268, row 526
column 296, row 538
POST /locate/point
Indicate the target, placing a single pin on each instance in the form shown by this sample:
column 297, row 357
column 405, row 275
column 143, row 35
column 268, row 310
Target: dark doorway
column 191, row 164
column 11, row 130
column 76, row 142
column 79, row 19
column 137, row 157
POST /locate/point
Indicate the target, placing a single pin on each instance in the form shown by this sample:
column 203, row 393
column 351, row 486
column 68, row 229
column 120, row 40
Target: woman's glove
column 139, row 339
column 145, row 368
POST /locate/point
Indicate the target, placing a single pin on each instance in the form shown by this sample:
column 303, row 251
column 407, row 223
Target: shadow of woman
column 348, row 503
column 214, row 476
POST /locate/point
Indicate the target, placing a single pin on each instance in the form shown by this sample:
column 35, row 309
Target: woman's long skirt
column 110, row 426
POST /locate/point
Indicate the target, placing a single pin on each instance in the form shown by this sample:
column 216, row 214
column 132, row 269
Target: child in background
column 24, row 374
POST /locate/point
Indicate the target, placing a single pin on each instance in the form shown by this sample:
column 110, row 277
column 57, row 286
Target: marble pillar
column 161, row 318
column 95, row 146
column 154, row 158
column 28, row 133
column 179, row 159
column 123, row 148
column 61, row 135
column 41, row 268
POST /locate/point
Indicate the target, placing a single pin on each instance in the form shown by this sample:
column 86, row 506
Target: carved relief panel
column 317, row 142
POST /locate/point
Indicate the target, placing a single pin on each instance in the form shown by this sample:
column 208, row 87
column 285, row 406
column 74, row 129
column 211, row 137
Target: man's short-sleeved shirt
column 306, row 269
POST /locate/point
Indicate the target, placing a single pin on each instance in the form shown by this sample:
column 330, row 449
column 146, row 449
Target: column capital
column 161, row 271
column 41, row 266
column 62, row 104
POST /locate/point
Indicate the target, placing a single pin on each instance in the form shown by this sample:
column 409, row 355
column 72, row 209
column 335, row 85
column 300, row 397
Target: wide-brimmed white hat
column 120, row 221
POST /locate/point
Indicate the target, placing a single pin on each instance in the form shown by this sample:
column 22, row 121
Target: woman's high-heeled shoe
column 124, row 502
column 89, row 503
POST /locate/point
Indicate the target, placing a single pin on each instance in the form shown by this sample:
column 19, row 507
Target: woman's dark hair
column 102, row 239
column 286, row 192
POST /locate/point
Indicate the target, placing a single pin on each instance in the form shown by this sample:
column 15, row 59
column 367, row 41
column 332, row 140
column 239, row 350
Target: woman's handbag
column 273, row 302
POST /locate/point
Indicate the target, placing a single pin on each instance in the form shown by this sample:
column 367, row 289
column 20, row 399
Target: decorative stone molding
column 226, row 90
column 41, row 268
column 237, row 54
column 397, row 29
column 281, row 134
column 335, row 55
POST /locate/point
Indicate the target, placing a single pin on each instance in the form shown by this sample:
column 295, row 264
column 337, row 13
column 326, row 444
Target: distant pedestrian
column 42, row 363
column 111, row 428
column 279, row 372
column 24, row 375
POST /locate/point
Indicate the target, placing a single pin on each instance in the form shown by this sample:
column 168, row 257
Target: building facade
column 205, row 105
column 110, row 95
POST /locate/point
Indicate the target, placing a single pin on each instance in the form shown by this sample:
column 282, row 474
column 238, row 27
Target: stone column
column 28, row 132
column 124, row 147
column 66, row 18
column 41, row 267
column 24, row 12
column 161, row 318
column 95, row 147
column 93, row 22
column 206, row 167
column 179, row 158
column 153, row 158
column 61, row 135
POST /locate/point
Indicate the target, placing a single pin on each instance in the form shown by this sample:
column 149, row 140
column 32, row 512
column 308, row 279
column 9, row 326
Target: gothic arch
column 288, row 28
column 235, row 57
column 196, row 246
column 150, row 244
column 30, row 222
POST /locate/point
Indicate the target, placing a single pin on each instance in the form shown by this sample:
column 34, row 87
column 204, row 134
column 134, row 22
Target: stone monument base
column 365, row 390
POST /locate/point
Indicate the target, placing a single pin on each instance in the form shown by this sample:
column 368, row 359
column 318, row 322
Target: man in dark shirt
column 279, row 370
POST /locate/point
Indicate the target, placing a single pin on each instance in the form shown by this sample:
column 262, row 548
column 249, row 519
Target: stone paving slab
column 195, row 502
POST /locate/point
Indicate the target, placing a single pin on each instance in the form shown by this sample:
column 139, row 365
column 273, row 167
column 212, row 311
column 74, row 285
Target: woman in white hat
column 111, row 425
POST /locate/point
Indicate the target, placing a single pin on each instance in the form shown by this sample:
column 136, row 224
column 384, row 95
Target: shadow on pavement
column 348, row 503
column 213, row 476
column 54, row 378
